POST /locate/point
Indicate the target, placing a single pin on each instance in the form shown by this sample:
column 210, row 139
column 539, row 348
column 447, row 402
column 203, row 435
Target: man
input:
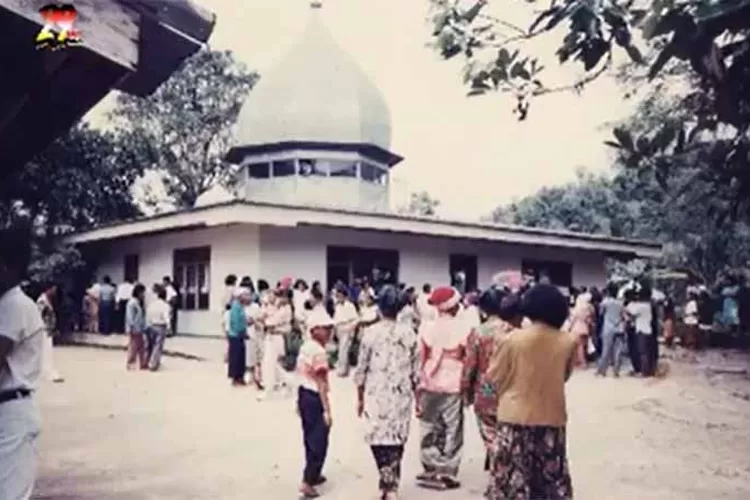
column 425, row 312
column 21, row 349
column 49, row 317
column 345, row 318
column 442, row 348
column 124, row 292
column 107, row 295
column 174, row 301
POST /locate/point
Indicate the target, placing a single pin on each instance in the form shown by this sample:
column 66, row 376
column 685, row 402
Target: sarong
column 236, row 362
column 530, row 463
column 442, row 433
column 388, row 460
column 488, row 431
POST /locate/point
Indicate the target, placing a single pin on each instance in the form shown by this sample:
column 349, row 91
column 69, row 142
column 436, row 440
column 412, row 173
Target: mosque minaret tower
column 315, row 131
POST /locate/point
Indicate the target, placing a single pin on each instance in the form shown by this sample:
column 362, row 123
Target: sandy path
column 185, row 434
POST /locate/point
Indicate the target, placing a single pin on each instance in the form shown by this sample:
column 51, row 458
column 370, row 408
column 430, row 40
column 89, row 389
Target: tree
column 421, row 204
column 706, row 39
column 184, row 129
column 82, row 179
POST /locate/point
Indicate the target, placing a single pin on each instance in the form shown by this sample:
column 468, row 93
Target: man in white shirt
column 124, row 293
column 346, row 319
column 47, row 310
column 425, row 311
column 21, row 349
column 174, row 301
column 158, row 315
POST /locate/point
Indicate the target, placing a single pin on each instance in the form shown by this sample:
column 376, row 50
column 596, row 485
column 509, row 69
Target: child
column 313, row 405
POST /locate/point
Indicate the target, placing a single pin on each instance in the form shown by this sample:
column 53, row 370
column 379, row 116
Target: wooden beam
column 55, row 105
column 107, row 27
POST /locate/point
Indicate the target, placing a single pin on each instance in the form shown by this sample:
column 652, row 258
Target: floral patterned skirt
column 388, row 460
column 530, row 463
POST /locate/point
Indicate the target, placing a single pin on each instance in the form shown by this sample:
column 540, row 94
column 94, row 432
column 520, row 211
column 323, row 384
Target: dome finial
column 316, row 4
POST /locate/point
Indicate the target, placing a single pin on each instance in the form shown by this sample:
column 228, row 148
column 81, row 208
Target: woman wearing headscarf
column 386, row 379
column 313, row 404
column 442, row 348
column 581, row 323
column 477, row 389
column 529, row 369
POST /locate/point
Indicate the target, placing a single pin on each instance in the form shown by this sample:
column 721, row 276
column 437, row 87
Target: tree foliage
column 706, row 142
column 421, row 204
column 184, row 129
column 82, row 179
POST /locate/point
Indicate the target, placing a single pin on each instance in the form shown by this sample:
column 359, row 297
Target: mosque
column 313, row 143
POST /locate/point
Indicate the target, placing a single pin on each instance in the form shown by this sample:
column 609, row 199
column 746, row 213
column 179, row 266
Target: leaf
column 503, row 57
column 519, row 71
column 624, row 138
column 544, row 15
column 661, row 60
column 635, row 54
column 557, row 17
column 471, row 14
column 613, row 144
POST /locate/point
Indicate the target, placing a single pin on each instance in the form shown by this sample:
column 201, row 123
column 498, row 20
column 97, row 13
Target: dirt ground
column 185, row 434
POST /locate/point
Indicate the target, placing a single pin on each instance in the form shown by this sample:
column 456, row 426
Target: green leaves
column 184, row 129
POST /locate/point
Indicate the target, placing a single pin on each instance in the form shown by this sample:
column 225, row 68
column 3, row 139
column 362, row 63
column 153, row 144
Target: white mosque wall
column 234, row 249
column 331, row 192
column 271, row 252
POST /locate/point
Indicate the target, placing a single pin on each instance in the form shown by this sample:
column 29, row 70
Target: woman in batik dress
column 386, row 379
column 477, row 390
column 529, row 369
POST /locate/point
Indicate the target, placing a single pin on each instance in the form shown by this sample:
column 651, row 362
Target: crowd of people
column 506, row 351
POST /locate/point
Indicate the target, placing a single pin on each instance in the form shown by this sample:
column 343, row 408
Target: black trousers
column 119, row 325
column 236, row 365
column 647, row 350
column 315, row 432
column 633, row 350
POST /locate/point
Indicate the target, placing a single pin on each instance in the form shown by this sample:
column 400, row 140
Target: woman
column 641, row 314
column 442, row 348
column 91, row 309
column 529, row 369
column 254, row 314
column 386, row 379
column 157, row 318
column 313, row 404
column 301, row 295
column 277, row 322
column 476, row 388
column 236, row 336
column 613, row 332
column 135, row 326
column 368, row 309
column 470, row 312
column 580, row 324
column 408, row 313
column 691, row 321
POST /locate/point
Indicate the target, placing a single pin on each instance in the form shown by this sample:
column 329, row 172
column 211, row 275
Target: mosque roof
column 316, row 94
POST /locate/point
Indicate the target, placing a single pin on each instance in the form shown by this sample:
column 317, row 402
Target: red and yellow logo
column 58, row 31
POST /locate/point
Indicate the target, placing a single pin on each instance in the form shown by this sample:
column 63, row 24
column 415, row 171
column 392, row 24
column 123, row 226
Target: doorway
column 466, row 265
column 348, row 263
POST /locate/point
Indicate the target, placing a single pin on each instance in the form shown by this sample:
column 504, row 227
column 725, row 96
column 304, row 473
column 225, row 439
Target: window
column 554, row 272
column 259, row 170
column 313, row 167
column 192, row 278
column 342, row 168
column 130, row 266
column 349, row 263
column 373, row 173
column 284, row 168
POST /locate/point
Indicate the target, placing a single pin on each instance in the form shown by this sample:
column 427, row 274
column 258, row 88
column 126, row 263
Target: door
column 463, row 265
column 130, row 266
